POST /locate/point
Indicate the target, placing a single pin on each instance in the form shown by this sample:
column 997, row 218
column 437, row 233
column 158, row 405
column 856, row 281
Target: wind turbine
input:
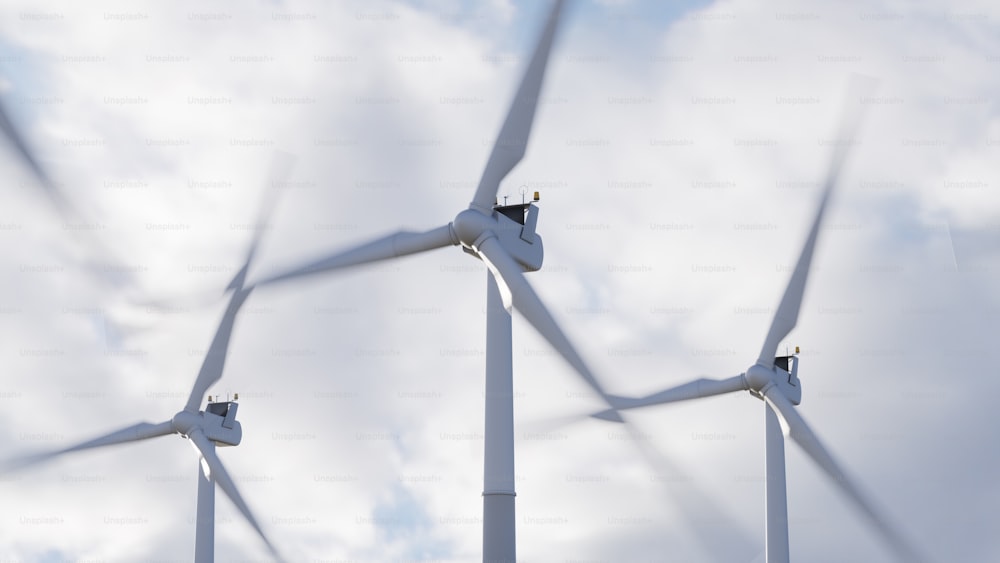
column 205, row 429
column 774, row 379
column 504, row 238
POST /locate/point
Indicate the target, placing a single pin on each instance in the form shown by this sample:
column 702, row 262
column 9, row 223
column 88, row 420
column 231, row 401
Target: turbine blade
column 526, row 301
column 27, row 157
column 99, row 260
column 548, row 425
column 511, row 143
column 215, row 359
column 134, row 433
column 693, row 390
column 707, row 519
column 398, row 244
column 787, row 314
column 225, row 482
column 803, row 435
column 281, row 167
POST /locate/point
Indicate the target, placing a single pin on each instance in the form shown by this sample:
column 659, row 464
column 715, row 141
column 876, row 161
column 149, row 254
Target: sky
column 678, row 153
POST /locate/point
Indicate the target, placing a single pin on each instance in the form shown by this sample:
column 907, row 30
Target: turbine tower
column 504, row 238
column 205, row 429
column 774, row 379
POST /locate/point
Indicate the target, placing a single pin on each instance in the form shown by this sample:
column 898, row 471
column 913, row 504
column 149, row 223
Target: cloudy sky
column 678, row 152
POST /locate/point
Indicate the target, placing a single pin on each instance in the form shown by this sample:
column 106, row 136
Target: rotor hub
column 783, row 375
column 470, row 225
column 185, row 421
column 759, row 377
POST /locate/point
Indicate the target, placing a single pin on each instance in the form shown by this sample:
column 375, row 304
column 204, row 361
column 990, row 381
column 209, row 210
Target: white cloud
column 678, row 172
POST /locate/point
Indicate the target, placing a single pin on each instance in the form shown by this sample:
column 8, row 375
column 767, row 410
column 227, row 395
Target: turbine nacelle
column 512, row 225
column 783, row 375
column 218, row 423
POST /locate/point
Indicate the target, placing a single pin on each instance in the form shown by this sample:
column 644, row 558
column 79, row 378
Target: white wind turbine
column 215, row 426
column 504, row 238
column 775, row 380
